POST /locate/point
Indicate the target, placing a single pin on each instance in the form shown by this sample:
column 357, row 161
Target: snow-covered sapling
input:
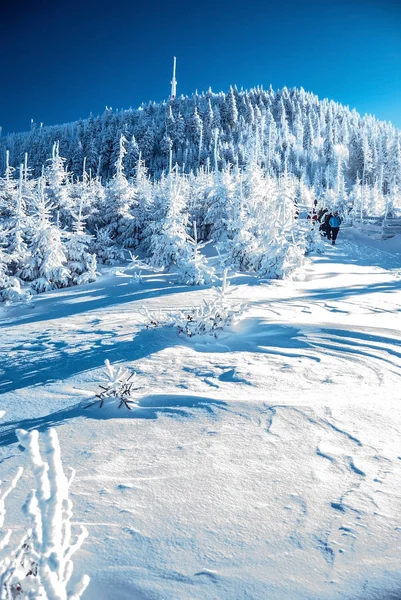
column 58, row 187
column 155, row 318
column 118, row 387
column 313, row 239
column 212, row 316
column 134, row 266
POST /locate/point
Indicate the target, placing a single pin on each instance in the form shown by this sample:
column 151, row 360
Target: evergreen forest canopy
column 322, row 142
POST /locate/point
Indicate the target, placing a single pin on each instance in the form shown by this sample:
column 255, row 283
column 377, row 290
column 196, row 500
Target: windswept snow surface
column 263, row 465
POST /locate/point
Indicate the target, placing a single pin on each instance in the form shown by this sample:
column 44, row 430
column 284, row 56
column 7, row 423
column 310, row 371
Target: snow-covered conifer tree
column 104, row 248
column 57, row 189
column 94, row 195
column 131, row 158
column 46, row 267
column 282, row 252
column 10, row 287
column 81, row 264
column 28, row 186
column 193, row 266
column 118, row 200
column 221, row 193
column 356, row 201
column 8, row 190
column 241, row 243
column 139, row 228
column 168, row 242
column 77, row 159
column 19, row 224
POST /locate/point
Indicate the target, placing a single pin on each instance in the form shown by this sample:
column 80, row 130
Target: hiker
column 296, row 212
column 313, row 217
column 313, row 214
column 334, row 223
column 325, row 226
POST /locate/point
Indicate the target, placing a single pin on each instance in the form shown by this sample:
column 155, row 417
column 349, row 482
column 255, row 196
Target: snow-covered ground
column 263, row 465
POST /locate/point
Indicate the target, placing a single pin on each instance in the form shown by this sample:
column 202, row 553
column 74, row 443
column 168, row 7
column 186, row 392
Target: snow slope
column 262, row 465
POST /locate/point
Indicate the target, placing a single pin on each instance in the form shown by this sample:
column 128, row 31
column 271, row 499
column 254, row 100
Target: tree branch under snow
column 41, row 566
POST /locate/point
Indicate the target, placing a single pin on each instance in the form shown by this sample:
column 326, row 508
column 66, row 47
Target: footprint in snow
column 325, row 455
column 337, row 506
column 355, row 469
column 125, row 486
column 232, row 377
column 207, row 573
column 325, row 549
column 211, row 383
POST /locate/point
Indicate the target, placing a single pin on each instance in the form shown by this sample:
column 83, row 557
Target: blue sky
column 59, row 62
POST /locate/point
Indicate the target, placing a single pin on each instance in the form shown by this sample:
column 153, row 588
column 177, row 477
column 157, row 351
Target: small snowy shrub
column 282, row 258
column 134, row 262
column 41, row 566
column 134, row 266
column 90, row 274
column 10, row 289
column 137, row 277
column 212, row 316
column 118, row 387
column 155, row 318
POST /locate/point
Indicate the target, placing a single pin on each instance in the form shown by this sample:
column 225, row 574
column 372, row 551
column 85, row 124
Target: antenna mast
column 174, row 82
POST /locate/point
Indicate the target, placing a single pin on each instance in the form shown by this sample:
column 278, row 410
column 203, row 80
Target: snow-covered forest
column 230, row 169
column 294, row 131
column 55, row 231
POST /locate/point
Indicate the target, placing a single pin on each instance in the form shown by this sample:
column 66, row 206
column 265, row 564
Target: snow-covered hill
column 264, row 464
column 294, row 131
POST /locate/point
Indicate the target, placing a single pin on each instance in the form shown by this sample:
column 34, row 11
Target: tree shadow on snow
column 70, row 302
column 45, row 367
column 308, row 341
column 342, row 293
column 253, row 335
column 149, row 407
column 380, row 590
column 348, row 251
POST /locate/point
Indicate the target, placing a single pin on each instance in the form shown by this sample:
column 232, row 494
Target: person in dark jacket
column 334, row 223
column 325, row 226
